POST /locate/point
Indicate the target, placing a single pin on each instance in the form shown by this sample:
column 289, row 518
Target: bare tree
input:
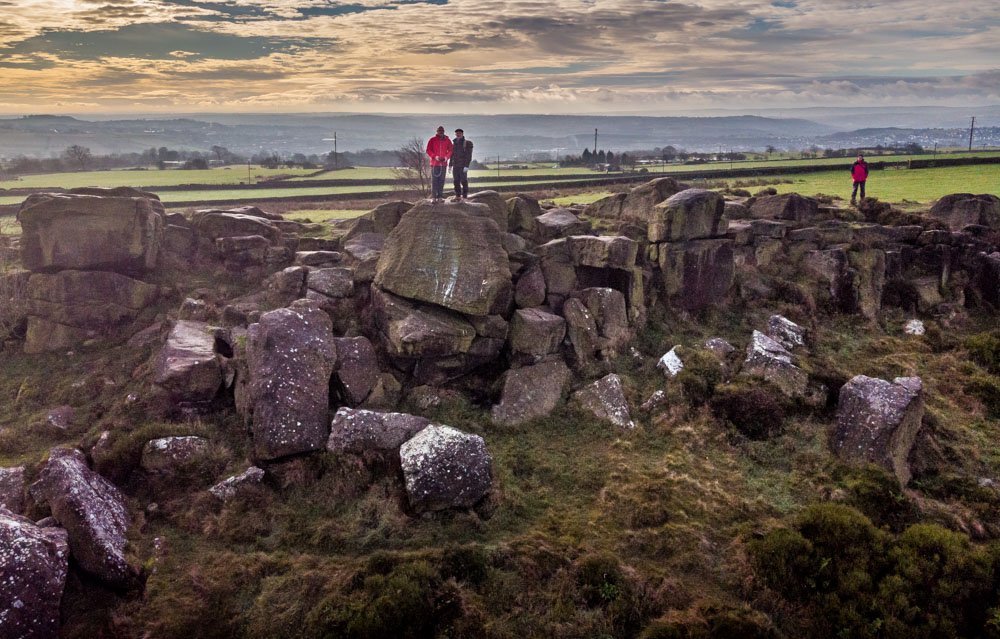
column 414, row 170
column 79, row 155
column 13, row 288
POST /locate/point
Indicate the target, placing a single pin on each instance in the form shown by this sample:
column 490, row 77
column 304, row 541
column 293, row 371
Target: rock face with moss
column 605, row 399
column 531, row 391
column 769, row 360
column 93, row 512
column 12, row 489
column 451, row 256
column 445, row 468
column 290, row 357
column 359, row 431
column 878, row 422
column 33, row 564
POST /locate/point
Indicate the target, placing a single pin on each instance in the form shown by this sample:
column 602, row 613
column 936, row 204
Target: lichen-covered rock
column 232, row 486
column 535, row 333
column 603, row 251
column 447, row 255
column 187, row 366
column 242, row 250
column 769, row 360
column 606, row 400
column 638, row 204
column 357, row 369
column 363, row 253
column 878, row 421
column 89, row 232
column 290, row 358
column 786, row 332
column 419, row 332
column 608, row 308
column 33, row 566
column 671, row 363
column 497, row 210
column 445, row 468
column 171, row 457
column 531, row 391
column 959, row 210
column 521, row 213
column 689, row 215
column 318, row 259
column 12, row 489
column 719, row 347
column 359, row 431
column 92, row 511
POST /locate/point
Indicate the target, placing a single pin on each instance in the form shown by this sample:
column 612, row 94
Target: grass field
column 323, row 215
column 153, row 177
column 918, row 185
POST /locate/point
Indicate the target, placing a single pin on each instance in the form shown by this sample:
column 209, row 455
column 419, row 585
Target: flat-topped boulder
column 412, row 331
column 33, row 562
column 638, row 204
column 445, row 468
column 558, row 223
column 959, row 210
column 360, row 431
column 290, row 357
column 787, row 206
column 878, row 422
column 187, row 366
column 688, row 215
column 449, row 255
column 93, row 512
column 531, row 391
column 214, row 224
column 90, row 232
column 696, row 273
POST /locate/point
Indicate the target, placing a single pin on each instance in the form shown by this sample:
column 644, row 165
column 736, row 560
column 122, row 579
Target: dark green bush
column 752, row 409
column 858, row 581
column 984, row 349
column 702, row 372
column 986, row 388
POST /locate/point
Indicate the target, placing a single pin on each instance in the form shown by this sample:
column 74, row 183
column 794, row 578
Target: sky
column 645, row 57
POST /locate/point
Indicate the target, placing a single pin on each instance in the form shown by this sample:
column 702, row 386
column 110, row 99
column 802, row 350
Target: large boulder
column 788, row 206
column 521, row 213
column 878, row 421
column 214, row 224
column 531, row 391
column 689, row 215
column 696, row 273
column 363, row 253
column 33, row 567
column 290, row 357
column 959, row 210
column 360, row 431
column 530, row 288
column 769, row 360
column 187, row 367
column 605, row 399
column 410, row 331
column 497, row 207
column 448, row 255
column 638, row 204
column 382, row 219
column 68, row 307
column 445, row 468
column 558, row 223
column 603, row 251
column 89, row 232
column 92, row 511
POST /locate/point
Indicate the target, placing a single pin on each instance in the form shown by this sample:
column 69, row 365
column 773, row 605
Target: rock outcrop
column 366, row 431
column 531, row 391
column 188, row 367
column 605, row 399
column 959, row 210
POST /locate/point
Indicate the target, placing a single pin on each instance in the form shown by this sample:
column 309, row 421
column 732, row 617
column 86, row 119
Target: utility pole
column 335, row 163
column 249, row 178
column 498, row 166
column 972, row 128
column 595, row 145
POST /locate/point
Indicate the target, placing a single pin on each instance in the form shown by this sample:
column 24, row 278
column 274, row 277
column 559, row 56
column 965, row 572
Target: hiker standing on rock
column 859, row 173
column 461, row 158
column 439, row 150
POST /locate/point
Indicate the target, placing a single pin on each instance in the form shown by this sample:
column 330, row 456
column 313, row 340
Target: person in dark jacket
column 439, row 151
column 461, row 158
column 859, row 173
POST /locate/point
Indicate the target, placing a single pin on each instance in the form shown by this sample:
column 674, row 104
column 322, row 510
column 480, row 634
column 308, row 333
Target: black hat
column 459, row 131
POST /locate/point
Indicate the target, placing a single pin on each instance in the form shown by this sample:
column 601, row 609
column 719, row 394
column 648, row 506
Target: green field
column 916, row 185
column 152, row 177
column 323, row 215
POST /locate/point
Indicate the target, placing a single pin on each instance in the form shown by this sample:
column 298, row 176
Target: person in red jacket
column 439, row 150
column 859, row 173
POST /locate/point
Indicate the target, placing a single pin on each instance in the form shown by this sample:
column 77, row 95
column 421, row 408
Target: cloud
column 157, row 41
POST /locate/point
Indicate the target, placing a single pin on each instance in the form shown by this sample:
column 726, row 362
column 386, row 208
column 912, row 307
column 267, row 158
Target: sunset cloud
column 640, row 56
